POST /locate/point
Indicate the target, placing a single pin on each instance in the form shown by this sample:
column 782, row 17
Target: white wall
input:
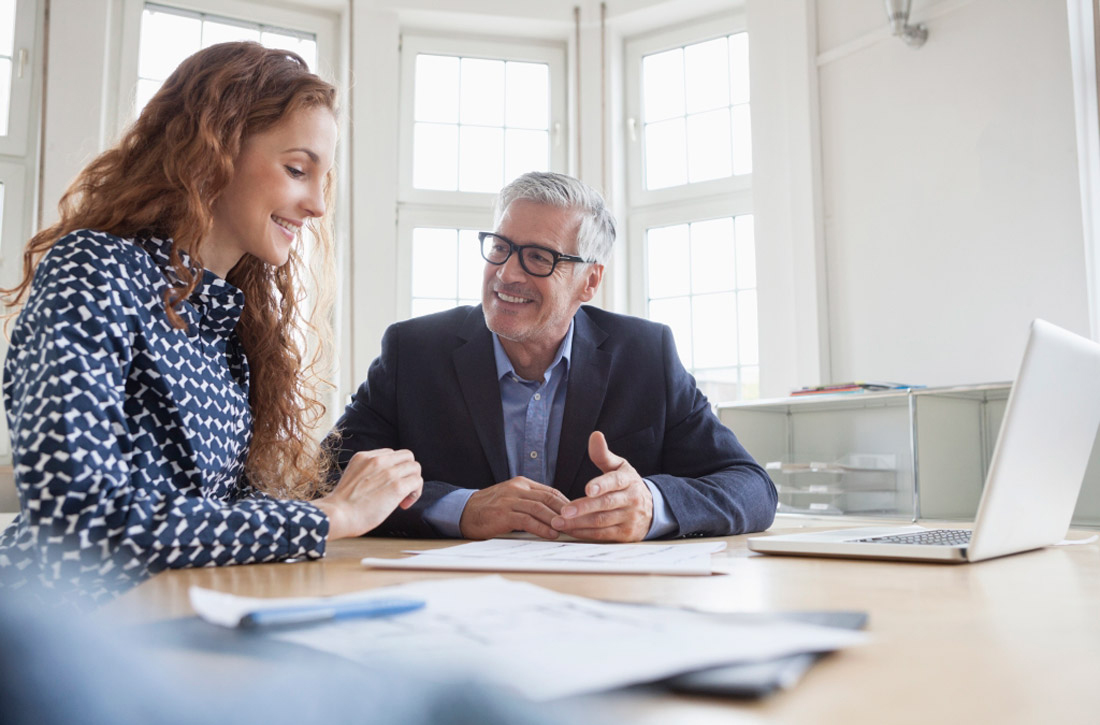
column 80, row 93
column 950, row 189
column 792, row 286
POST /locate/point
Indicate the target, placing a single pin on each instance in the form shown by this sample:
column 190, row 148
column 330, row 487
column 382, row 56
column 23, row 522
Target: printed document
column 559, row 556
column 540, row 643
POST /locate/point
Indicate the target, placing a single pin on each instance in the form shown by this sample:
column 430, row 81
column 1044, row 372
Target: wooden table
column 1011, row 640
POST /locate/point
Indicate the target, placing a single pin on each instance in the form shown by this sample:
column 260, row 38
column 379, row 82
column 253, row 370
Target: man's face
column 537, row 310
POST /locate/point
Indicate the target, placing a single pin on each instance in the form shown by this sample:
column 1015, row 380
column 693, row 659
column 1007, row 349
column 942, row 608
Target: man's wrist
column 445, row 514
column 662, row 521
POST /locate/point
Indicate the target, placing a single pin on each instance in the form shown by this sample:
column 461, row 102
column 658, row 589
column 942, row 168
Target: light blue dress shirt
column 533, row 411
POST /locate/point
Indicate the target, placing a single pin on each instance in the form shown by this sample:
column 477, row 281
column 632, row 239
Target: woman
column 158, row 395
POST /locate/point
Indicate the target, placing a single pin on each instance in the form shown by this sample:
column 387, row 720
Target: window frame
column 414, row 43
column 634, row 50
column 17, row 140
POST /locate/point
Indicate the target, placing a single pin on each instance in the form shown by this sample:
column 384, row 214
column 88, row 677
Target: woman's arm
column 90, row 510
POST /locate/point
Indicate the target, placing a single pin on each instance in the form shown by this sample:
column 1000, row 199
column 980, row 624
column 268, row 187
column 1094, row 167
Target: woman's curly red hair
column 163, row 178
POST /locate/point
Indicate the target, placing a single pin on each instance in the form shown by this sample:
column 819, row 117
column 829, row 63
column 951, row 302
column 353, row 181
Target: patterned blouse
column 129, row 436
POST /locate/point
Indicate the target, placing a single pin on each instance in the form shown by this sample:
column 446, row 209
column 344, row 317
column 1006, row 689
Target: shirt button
column 534, row 454
column 538, row 397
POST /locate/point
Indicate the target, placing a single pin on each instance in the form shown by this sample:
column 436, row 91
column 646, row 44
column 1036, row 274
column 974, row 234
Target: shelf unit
column 929, row 449
column 939, row 440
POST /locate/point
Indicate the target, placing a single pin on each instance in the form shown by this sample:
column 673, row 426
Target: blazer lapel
column 589, row 368
column 476, row 368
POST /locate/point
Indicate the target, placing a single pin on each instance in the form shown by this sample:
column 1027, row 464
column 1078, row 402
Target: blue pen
column 310, row 613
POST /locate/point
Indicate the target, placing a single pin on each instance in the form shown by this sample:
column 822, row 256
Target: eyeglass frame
column 513, row 248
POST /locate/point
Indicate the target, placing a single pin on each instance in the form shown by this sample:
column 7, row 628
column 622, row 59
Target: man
column 533, row 413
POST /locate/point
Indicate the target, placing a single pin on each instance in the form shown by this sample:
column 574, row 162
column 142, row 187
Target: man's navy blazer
column 434, row 390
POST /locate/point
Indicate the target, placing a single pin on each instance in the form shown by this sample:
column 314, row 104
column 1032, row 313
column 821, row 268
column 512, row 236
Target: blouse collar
column 215, row 302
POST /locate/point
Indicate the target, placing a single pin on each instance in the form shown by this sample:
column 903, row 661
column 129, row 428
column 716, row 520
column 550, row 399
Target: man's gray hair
column 596, row 235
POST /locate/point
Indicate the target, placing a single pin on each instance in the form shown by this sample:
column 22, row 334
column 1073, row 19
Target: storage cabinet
column 909, row 454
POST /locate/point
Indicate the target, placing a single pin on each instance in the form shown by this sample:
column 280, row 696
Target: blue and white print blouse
column 129, row 436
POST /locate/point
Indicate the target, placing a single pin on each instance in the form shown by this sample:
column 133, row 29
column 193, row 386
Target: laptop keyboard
column 935, row 537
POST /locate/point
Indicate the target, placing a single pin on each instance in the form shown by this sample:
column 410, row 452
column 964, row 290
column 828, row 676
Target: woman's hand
column 373, row 485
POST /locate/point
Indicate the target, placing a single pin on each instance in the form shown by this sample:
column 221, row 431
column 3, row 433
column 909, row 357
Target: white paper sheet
column 227, row 610
column 1078, row 542
column 554, row 556
column 544, row 644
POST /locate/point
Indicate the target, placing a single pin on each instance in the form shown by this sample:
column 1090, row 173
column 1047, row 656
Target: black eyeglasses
column 536, row 261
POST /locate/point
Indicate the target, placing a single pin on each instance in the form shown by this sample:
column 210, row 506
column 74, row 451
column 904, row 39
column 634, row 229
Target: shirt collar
column 505, row 367
column 219, row 302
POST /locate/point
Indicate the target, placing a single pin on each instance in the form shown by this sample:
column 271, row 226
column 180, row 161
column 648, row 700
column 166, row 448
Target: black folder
column 751, row 680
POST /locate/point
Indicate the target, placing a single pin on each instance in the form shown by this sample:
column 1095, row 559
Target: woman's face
column 278, row 183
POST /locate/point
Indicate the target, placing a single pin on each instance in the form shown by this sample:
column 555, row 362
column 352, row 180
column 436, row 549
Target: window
column 439, row 265
column 478, row 122
column 7, row 60
column 20, row 91
column 690, row 224
column 18, row 21
column 704, row 280
column 475, row 114
column 695, row 112
column 446, row 269
column 169, row 35
column 17, row 32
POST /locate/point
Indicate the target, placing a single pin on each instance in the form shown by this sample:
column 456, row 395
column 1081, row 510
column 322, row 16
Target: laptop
column 1035, row 475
